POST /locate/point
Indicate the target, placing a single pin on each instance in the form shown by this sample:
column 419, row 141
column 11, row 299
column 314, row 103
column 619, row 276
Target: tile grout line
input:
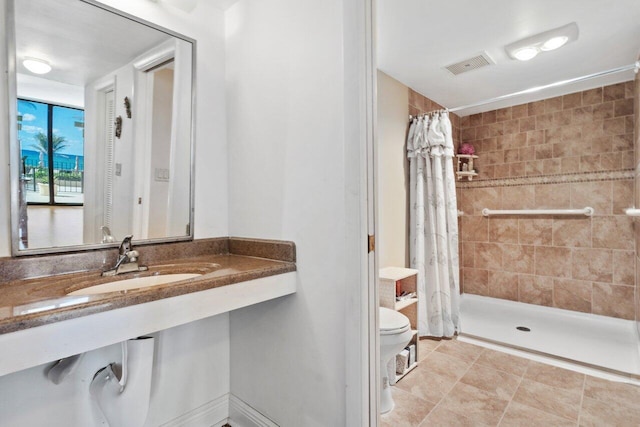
column 514, row 393
column 452, row 387
column 584, row 386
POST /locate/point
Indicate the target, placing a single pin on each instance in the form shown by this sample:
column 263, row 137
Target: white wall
column 191, row 368
column 192, row 361
column 290, row 169
column 39, row 89
column 393, row 113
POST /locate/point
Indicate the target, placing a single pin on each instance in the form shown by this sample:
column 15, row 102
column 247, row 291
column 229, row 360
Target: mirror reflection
column 103, row 138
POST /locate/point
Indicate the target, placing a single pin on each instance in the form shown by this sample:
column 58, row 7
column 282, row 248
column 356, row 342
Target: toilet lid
column 393, row 322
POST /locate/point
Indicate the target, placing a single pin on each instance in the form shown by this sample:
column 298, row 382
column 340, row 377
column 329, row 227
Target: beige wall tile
column 572, row 294
column 468, row 250
column 613, row 92
column 592, row 264
column 518, row 258
column 475, row 281
column 489, row 197
column 535, row 289
column 598, row 195
column 572, row 100
column 551, row 261
column 592, row 96
column 574, row 232
column 518, row 197
column 613, row 232
column 553, row 196
column 503, row 285
column 551, row 105
column 603, row 111
column 488, row 256
column 613, row 300
column 503, row 230
column 475, row 229
column 535, row 231
column 624, row 268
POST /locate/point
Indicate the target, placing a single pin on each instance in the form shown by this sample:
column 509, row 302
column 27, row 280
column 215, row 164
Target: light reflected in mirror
column 103, row 138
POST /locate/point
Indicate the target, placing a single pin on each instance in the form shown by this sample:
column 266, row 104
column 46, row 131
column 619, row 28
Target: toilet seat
column 393, row 322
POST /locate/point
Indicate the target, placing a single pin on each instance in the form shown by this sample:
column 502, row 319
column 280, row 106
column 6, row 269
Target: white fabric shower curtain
column 433, row 236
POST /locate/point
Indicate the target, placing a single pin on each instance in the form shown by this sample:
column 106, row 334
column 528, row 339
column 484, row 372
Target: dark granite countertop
column 34, row 289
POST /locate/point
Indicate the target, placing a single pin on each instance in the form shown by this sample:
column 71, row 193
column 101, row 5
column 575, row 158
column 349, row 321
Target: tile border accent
column 550, row 179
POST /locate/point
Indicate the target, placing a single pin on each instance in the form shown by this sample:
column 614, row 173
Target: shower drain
column 523, row 328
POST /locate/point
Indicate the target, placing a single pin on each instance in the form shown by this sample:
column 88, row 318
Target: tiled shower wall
column 571, row 151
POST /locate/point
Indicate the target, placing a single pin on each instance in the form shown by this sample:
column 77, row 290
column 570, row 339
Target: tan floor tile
column 596, row 413
column 445, row 365
column 498, row 383
column 610, row 391
column 426, row 384
column 525, row 416
column 426, row 346
column 553, row 400
column 409, row 410
column 460, row 350
column 474, row 403
column 503, row 362
column 440, row 417
column 555, row 377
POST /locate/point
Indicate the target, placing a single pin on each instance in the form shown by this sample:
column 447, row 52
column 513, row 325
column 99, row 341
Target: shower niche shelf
column 465, row 168
column 404, row 280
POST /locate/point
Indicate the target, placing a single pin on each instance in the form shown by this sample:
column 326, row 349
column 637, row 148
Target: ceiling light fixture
column 36, row 66
column 529, row 47
column 526, row 53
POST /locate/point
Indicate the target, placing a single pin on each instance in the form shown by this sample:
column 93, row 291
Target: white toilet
column 395, row 334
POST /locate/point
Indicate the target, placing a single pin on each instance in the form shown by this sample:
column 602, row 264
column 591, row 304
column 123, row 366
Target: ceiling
column 80, row 41
column 416, row 39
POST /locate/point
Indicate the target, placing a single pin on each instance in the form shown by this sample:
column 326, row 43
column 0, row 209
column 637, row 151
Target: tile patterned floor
column 460, row 384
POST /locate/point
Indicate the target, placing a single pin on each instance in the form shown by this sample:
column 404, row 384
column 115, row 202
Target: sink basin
column 135, row 283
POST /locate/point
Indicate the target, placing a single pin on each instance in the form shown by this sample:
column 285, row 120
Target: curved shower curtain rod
column 635, row 66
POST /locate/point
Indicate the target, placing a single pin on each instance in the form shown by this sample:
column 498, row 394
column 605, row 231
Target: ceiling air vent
column 470, row 64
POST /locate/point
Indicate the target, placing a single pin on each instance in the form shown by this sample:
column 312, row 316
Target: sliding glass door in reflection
column 52, row 153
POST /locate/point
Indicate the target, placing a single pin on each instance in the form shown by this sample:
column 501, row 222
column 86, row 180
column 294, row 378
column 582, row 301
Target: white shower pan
column 588, row 339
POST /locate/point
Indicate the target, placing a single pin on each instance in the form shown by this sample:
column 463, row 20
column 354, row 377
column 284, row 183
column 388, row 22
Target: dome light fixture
column 554, row 43
column 528, row 48
column 36, row 66
column 526, row 53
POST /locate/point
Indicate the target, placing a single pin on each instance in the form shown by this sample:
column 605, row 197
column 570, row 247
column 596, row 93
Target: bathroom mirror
column 101, row 108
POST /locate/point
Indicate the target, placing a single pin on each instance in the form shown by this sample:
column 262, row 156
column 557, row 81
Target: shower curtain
column 433, row 236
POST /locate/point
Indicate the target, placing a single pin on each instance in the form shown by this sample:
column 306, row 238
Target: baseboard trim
column 212, row 414
column 243, row 415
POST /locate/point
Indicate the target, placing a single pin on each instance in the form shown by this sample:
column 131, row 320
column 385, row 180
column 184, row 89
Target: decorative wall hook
column 127, row 106
column 118, row 126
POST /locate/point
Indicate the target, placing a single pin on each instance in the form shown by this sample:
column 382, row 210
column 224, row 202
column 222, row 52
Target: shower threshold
column 597, row 345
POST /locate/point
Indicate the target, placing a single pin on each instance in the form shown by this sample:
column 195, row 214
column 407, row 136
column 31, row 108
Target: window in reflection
column 51, row 141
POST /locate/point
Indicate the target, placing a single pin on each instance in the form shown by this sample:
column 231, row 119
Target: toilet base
column 386, row 400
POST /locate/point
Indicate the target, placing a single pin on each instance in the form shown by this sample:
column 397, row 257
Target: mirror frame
column 14, row 149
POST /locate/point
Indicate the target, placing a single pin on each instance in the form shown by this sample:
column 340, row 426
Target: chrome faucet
column 127, row 259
